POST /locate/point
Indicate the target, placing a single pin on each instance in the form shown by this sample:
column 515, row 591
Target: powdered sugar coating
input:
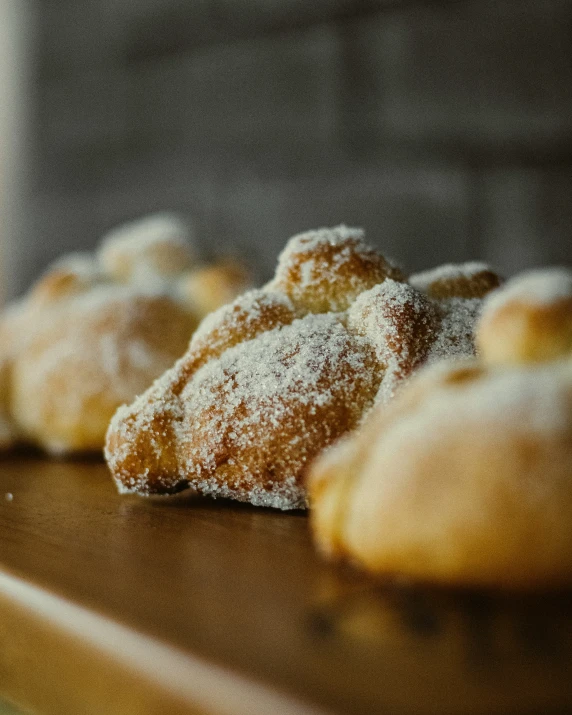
column 144, row 233
column 87, row 355
column 248, row 423
column 272, row 379
column 153, row 249
column 96, row 329
column 456, row 335
column 529, row 319
column 80, row 263
column 341, row 236
column 105, row 337
column 424, row 279
column 465, row 479
column 247, row 310
column 532, row 400
column 539, row 287
column 325, row 270
column 408, row 329
column 401, row 323
column 473, row 279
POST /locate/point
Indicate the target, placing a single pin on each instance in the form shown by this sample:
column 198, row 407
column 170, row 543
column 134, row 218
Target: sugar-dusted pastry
column 89, row 355
column 93, row 333
column 155, row 246
column 463, row 280
column 531, row 320
column 273, row 378
column 85, row 347
column 207, row 288
column 466, row 478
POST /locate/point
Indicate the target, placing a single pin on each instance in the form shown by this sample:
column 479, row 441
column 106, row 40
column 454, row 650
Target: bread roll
column 272, row 379
column 466, row 478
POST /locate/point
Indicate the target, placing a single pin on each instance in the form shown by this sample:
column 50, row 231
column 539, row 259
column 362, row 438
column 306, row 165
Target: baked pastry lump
column 94, row 332
column 273, row 378
column 466, row 478
column 207, row 288
column 529, row 321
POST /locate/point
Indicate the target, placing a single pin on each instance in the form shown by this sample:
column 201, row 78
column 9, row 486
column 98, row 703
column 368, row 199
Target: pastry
column 273, row 378
column 93, row 333
column 466, row 478
column 207, row 288
column 530, row 321
column 157, row 246
column 464, row 280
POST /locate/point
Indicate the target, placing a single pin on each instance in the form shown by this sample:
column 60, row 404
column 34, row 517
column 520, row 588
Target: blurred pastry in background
column 94, row 332
column 530, row 321
column 207, row 288
column 473, row 279
column 466, row 478
column 156, row 247
column 273, row 378
column 159, row 250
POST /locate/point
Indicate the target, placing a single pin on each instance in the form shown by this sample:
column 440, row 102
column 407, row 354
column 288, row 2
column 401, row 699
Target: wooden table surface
column 114, row 604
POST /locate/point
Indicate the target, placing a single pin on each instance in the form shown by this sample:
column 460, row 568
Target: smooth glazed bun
column 466, row 478
column 272, row 379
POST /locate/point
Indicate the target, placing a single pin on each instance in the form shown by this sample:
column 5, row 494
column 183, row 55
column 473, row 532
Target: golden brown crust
column 86, row 359
column 239, row 447
column 324, row 271
column 96, row 330
column 79, row 344
column 401, row 323
column 454, row 494
column 530, row 321
column 250, row 315
column 272, row 379
column 155, row 246
column 466, row 478
column 463, row 280
column 58, row 284
column 209, row 287
column 146, row 442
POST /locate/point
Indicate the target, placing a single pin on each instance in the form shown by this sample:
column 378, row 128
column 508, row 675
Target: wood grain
column 122, row 605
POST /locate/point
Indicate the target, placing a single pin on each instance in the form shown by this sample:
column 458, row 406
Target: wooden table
column 114, row 604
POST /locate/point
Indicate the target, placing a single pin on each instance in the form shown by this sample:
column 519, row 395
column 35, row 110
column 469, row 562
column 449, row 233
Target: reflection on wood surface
column 233, row 587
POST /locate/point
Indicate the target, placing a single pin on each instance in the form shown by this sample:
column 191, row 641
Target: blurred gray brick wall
column 443, row 127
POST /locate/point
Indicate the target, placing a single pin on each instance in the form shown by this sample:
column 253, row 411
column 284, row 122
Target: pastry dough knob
column 528, row 320
column 325, row 270
column 156, row 246
column 461, row 280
